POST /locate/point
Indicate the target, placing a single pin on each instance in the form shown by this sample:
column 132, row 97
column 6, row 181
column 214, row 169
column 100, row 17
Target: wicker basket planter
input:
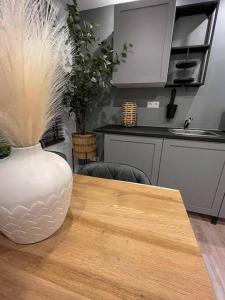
column 84, row 146
column 129, row 115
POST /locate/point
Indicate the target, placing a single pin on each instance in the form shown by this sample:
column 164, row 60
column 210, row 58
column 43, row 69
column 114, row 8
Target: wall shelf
column 191, row 49
column 196, row 9
column 194, row 84
column 199, row 52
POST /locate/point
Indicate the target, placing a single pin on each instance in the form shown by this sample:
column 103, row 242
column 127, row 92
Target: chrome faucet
column 188, row 122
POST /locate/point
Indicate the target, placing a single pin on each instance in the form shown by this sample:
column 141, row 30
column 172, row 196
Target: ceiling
column 89, row 4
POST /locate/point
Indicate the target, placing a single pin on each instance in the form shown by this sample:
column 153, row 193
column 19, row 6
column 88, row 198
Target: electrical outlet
column 153, row 104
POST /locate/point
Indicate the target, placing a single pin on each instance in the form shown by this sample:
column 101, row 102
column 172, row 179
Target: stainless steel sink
column 193, row 132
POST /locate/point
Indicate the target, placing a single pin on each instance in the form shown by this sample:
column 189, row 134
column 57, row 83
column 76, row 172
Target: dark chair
column 114, row 171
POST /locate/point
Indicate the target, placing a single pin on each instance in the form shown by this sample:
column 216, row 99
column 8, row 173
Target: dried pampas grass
column 31, row 77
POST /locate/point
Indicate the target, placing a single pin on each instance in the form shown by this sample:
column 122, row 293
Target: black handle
column 173, row 96
column 172, row 108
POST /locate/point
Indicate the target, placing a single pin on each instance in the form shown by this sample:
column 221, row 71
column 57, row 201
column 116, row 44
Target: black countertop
column 160, row 132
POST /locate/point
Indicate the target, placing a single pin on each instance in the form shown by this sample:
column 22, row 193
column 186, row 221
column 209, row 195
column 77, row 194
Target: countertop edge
column 128, row 131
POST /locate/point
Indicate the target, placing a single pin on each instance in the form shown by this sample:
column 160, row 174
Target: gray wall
column 205, row 104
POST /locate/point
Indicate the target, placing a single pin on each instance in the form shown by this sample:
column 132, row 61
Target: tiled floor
column 211, row 239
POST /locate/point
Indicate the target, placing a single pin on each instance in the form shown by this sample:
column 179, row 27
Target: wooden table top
column 120, row 241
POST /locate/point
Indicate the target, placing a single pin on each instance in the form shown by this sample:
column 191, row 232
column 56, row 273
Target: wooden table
column 120, row 241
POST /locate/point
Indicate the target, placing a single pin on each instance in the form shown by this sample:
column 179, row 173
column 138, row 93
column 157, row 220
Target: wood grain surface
column 120, row 241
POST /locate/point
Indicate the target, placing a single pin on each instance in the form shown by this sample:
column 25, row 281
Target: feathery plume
column 32, row 79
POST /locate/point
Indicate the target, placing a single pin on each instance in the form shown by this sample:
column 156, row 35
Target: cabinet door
column 222, row 210
column 141, row 152
column 221, row 195
column 194, row 168
column 148, row 25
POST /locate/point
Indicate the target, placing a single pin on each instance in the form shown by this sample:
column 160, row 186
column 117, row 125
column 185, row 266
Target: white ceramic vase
column 35, row 193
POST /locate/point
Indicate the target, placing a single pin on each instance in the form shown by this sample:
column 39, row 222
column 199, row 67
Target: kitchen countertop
column 160, row 132
column 120, row 241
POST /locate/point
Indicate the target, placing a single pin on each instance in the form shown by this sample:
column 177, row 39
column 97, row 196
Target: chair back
column 114, row 171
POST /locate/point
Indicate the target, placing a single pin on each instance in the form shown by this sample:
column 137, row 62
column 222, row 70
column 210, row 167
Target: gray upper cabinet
column 197, row 170
column 141, row 152
column 148, row 25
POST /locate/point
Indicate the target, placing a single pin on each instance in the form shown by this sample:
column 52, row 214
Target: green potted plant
column 90, row 76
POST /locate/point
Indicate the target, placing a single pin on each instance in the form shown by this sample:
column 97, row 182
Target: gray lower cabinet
column 197, row 170
column 141, row 152
column 222, row 210
column 221, row 194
